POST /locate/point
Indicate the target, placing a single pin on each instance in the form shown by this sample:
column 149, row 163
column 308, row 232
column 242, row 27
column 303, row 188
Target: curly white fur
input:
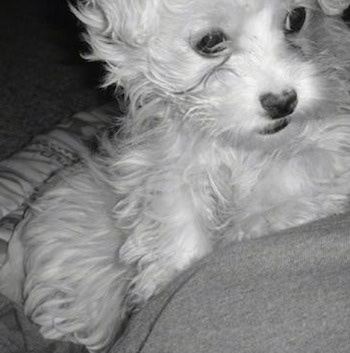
column 196, row 159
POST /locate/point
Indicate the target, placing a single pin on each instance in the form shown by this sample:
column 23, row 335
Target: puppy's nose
column 279, row 105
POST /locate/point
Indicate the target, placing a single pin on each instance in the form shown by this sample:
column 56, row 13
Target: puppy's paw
column 254, row 227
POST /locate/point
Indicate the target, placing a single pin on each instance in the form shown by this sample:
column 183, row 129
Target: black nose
column 279, row 105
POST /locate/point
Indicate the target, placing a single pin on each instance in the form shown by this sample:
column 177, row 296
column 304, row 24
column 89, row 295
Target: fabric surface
column 288, row 292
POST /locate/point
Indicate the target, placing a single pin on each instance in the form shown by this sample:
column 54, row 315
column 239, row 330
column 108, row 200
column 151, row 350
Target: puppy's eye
column 295, row 20
column 211, row 43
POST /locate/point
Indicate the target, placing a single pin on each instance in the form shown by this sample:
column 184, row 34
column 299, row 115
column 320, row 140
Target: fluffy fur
column 197, row 158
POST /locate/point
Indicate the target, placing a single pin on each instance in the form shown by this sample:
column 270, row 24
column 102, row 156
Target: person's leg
column 283, row 293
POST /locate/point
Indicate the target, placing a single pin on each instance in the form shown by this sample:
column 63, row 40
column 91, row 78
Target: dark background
column 42, row 77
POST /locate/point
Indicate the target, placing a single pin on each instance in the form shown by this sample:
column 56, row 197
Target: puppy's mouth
column 275, row 127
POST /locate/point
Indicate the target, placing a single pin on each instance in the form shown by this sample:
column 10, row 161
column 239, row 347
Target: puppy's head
column 249, row 67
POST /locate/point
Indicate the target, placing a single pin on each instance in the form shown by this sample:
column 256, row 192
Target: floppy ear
column 118, row 32
column 334, row 7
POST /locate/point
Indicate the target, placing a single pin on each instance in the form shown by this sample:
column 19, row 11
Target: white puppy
column 238, row 125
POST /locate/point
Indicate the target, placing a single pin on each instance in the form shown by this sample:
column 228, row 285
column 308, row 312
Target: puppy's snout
column 279, row 105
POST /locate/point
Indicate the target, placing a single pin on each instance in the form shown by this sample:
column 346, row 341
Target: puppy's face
column 252, row 67
column 243, row 61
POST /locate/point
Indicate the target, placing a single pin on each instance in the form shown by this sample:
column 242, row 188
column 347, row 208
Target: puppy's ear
column 334, row 7
column 118, row 32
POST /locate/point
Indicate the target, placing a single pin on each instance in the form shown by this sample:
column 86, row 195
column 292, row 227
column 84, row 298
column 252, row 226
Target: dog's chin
column 275, row 127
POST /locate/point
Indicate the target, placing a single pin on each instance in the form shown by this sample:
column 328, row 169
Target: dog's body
column 238, row 125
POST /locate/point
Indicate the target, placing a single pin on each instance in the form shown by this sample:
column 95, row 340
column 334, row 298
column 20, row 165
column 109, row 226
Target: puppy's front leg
column 167, row 240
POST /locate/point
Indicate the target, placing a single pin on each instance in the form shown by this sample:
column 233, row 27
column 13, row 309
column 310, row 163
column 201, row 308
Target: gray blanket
column 289, row 292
